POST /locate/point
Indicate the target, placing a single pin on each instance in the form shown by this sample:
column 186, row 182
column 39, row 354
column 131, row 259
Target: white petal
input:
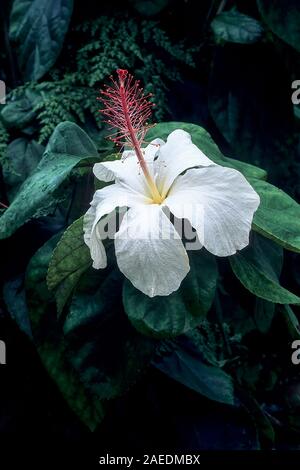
column 127, row 169
column 177, row 155
column 104, row 202
column 152, row 150
column 108, row 171
column 149, row 152
column 95, row 244
column 221, row 204
column 150, row 252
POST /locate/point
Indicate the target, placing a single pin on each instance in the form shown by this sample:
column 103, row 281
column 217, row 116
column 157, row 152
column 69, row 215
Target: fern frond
column 106, row 44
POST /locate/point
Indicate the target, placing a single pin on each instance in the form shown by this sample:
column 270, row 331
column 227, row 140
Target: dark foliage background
column 232, row 78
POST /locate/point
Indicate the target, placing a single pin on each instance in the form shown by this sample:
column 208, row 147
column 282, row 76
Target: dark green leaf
column 15, row 300
column 292, row 321
column 249, row 317
column 233, row 26
column 257, row 268
column 241, row 103
column 38, row 27
column 21, row 158
column 181, row 311
column 186, row 366
column 47, row 333
column 283, row 18
column 93, row 298
column 263, row 315
column 70, row 259
column 19, row 111
column 103, row 347
column 296, row 112
column 264, row 426
column 149, row 7
column 278, row 216
column 68, row 146
column 204, row 141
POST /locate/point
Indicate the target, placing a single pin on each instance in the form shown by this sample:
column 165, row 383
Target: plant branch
column 221, row 7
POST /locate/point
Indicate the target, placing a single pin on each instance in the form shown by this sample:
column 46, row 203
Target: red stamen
column 126, row 109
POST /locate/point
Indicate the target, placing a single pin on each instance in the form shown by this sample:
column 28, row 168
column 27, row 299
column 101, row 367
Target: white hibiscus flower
column 175, row 175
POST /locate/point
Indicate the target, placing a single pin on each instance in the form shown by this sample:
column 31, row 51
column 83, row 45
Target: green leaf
column 93, row 298
column 251, row 122
column 48, row 337
column 21, row 158
column 68, row 145
column 278, row 216
column 283, row 18
column 19, row 111
column 149, row 7
column 263, row 315
column 296, row 112
column 233, row 26
column 254, row 316
column 15, row 301
column 182, row 310
column 291, row 321
column 70, row 259
column 257, row 268
column 264, row 427
column 38, row 28
column 203, row 140
column 185, row 365
column 108, row 353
